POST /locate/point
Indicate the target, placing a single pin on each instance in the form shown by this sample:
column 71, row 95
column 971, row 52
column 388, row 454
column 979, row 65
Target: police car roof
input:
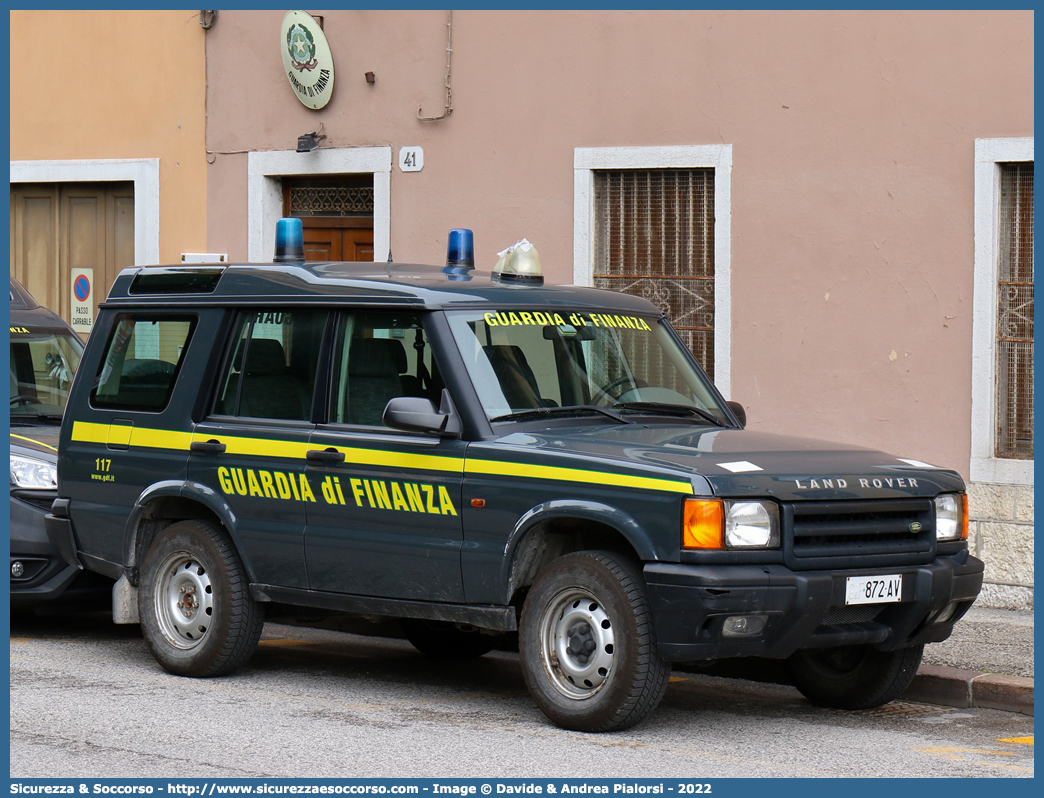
column 334, row 282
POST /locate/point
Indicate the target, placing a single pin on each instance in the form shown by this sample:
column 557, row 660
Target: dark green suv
column 476, row 454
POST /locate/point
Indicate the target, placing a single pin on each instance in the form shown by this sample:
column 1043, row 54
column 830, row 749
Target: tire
column 854, row 677
column 444, row 640
column 191, row 563
column 588, row 646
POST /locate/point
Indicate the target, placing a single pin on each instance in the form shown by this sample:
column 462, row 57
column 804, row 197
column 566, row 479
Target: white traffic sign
column 82, row 301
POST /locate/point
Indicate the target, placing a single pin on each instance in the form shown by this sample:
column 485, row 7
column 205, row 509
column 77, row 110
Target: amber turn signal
column 703, row 524
column 964, row 516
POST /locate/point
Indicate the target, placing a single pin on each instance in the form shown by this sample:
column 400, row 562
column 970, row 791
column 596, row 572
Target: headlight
column 714, row 524
column 951, row 516
column 751, row 525
column 27, row 472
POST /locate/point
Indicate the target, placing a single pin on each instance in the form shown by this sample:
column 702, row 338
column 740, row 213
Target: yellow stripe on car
column 296, row 450
column 561, row 474
column 32, row 440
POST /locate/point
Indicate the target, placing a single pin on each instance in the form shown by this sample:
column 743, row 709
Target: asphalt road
column 88, row 701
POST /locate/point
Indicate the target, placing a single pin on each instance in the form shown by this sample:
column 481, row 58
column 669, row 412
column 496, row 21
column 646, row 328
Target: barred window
column 654, row 237
column 1015, row 313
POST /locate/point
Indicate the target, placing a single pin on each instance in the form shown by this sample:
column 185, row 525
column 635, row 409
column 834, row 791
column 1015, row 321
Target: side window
column 142, row 362
column 280, row 350
column 380, row 356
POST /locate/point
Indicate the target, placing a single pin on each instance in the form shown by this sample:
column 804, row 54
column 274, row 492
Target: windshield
column 42, row 365
column 526, row 361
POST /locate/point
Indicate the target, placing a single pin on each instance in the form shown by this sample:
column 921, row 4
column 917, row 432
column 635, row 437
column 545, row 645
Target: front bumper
column 805, row 609
column 46, row 577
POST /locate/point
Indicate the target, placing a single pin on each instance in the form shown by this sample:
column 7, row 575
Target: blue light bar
column 460, row 253
column 289, row 241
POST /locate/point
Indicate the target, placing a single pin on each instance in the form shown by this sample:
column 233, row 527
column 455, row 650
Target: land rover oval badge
column 307, row 59
column 915, row 526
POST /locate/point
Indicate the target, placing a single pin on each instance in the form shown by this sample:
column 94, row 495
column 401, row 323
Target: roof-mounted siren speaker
column 460, row 252
column 289, row 241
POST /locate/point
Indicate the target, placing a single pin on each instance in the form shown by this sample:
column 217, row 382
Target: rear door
column 131, row 421
column 251, row 447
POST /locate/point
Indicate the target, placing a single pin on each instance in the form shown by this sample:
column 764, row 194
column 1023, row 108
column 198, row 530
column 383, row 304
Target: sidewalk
column 987, row 662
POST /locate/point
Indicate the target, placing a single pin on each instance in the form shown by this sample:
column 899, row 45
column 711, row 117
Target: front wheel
column 587, row 644
column 197, row 615
column 854, row 677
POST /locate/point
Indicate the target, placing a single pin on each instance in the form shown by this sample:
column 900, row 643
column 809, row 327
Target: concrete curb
column 953, row 687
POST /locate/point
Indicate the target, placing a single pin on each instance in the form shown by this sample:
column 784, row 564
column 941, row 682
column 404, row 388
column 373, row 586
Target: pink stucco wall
column 852, row 185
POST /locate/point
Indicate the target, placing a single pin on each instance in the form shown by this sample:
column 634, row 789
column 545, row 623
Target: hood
column 738, row 462
column 40, row 442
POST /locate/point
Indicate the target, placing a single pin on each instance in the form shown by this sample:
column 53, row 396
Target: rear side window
column 142, row 361
column 271, row 368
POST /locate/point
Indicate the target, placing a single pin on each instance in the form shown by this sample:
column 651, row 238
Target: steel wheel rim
column 572, row 621
column 184, row 600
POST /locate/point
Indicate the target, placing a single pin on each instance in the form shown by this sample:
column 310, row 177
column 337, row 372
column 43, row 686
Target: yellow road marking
column 1019, row 740
column 947, row 751
column 32, row 440
column 1004, row 766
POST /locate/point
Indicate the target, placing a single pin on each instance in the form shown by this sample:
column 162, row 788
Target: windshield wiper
column 662, row 408
column 567, row 410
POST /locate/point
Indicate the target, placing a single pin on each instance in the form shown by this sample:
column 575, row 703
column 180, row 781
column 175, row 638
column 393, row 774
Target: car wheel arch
column 168, row 503
column 551, row 530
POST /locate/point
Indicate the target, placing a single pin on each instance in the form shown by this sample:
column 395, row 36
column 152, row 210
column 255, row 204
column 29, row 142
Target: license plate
column 874, row 589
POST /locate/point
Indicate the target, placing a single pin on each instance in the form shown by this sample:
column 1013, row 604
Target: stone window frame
column 587, row 160
column 265, row 173
column 985, row 466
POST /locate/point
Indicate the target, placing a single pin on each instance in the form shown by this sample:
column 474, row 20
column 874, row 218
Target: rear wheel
column 587, row 644
column 446, row 640
column 197, row 615
column 854, row 677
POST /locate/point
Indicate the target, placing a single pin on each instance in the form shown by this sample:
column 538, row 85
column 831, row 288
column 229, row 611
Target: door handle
column 207, row 447
column 330, row 456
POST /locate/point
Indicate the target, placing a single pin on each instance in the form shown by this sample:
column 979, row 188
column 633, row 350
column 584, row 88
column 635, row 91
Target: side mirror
column 415, row 414
column 738, row 412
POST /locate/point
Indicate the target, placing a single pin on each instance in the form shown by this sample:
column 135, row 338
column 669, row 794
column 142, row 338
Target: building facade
column 108, row 160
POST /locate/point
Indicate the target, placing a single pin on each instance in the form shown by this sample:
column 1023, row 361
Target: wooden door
column 336, row 212
column 338, row 238
column 58, row 227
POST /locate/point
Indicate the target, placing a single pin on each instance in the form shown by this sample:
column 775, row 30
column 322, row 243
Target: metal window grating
column 347, row 196
column 1015, row 314
column 654, row 237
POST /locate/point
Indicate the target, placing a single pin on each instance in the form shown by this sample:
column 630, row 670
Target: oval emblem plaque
column 307, row 59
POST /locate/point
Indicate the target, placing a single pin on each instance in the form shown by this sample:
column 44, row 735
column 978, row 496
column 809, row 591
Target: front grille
column 858, row 533
column 843, row 615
